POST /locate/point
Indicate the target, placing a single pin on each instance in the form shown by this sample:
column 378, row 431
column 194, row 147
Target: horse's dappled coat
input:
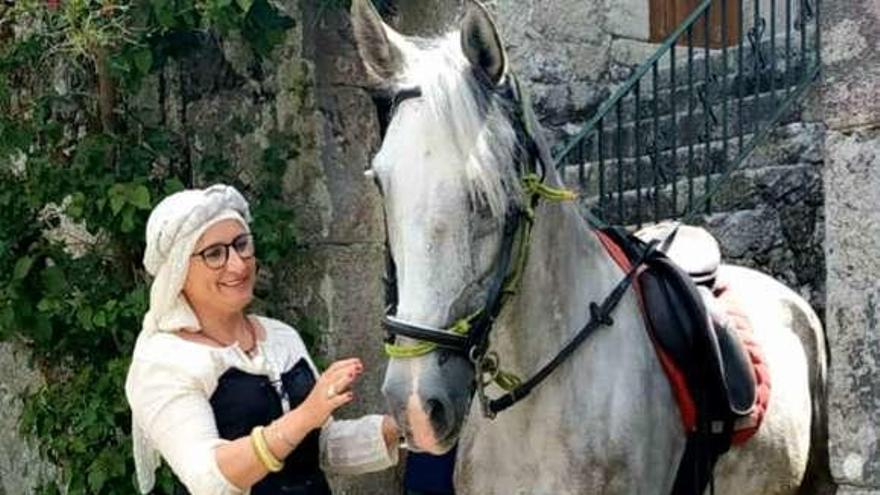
column 606, row 420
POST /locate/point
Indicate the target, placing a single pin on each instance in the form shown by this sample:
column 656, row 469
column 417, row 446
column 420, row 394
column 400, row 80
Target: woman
column 230, row 400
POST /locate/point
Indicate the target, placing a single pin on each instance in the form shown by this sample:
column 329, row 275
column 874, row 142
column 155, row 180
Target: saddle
column 716, row 374
column 688, row 321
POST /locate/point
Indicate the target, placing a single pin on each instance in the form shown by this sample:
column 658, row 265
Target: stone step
column 786, row 59
column 764, row 73
column 684, row 126
column 636, row 172
column 714, row 92
column 786, row 145
column 743, row 189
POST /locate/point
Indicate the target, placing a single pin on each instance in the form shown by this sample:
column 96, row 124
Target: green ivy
column 77, row 303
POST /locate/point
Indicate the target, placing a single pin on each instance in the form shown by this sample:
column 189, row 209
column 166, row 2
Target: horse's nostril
column 437, row 412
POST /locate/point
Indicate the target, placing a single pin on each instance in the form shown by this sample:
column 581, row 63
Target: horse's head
column 448, row 175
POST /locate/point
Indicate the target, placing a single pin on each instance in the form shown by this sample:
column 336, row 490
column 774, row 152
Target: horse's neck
column 567, row 269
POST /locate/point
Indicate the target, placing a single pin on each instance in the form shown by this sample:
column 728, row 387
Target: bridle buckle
column 485, row 364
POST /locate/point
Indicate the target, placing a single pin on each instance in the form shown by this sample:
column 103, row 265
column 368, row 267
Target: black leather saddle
column 706, row 350
column 709, row 355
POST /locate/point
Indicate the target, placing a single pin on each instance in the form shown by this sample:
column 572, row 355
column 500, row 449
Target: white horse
column 605, row 421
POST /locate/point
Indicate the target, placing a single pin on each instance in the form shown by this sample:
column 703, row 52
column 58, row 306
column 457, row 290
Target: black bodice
column 243, row 400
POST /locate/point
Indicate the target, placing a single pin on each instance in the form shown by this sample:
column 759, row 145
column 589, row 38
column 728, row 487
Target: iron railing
column 675, row 133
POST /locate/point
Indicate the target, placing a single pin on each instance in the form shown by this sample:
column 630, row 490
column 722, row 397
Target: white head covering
column 173, row 229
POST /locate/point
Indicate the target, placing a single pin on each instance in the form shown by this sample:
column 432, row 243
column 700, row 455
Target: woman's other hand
column 331, row 391
column 390, row 432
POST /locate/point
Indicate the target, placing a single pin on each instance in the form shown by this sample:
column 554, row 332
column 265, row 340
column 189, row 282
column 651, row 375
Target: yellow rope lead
column 507, row 381
column 409, row 351
column 533, row 185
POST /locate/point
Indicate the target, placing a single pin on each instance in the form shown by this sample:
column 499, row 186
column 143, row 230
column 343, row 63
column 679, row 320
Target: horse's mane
column 476, row 118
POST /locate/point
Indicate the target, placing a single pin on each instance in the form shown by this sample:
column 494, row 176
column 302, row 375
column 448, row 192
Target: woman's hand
column 331, row 391
column 390, row 432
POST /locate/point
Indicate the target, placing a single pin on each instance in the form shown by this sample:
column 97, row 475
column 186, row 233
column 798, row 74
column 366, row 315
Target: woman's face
column 227, row 288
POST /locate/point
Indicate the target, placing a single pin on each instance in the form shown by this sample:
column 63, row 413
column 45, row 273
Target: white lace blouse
column 169, row 385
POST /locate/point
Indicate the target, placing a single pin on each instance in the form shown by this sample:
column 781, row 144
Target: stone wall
column 562, row 51
column 226, row 109
column 571, row 54
column 775, row 220
column 340, row 280
column 307, row 95
column 851, row 105
column 21, row 468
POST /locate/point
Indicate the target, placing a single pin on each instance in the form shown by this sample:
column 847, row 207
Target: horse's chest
column 610, row 441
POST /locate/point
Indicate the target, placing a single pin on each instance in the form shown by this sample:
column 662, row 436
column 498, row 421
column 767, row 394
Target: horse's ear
column 481, row 43
column 381, row 57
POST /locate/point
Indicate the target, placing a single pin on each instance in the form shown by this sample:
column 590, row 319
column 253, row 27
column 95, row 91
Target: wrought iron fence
column 672, row 135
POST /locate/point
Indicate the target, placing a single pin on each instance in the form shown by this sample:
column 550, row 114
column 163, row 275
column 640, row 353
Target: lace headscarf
column 173, row 229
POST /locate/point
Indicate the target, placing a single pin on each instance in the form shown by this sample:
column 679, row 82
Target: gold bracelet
column 258, row 441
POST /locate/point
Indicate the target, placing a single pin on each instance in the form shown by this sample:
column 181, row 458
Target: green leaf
column 138, row 300
column 117, row 198
column 97, row 476
column 173, row 185
column 77, row 202
column 116, row 204
column 127, row 220
column 245, row 5
column 164, row 11
column 7, row 319
column 53, row 280
column 22, row 267
column 100, row 319
column 143, row 60
column 84, row 315
column 139, row 196
column 45, row 305
column 42, row 329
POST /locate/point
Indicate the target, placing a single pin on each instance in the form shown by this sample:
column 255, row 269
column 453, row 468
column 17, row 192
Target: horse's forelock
column 475, row 118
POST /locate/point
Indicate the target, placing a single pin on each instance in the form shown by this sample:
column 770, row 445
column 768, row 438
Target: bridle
column 469, row 336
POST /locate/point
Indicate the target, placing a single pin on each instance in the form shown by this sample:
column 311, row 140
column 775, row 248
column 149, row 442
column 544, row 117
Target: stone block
column 851, row 31
column 852, row 490
column 427, row 18
column 333, row 49
column 22, row 469
column 342, row 286
column 589, row 62
column 573, row 21
column 627, row 52
column 349, row 141
column 852, row 229
column 629, row 19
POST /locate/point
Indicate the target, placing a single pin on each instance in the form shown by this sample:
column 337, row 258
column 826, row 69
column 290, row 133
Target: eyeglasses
column 216, row 255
